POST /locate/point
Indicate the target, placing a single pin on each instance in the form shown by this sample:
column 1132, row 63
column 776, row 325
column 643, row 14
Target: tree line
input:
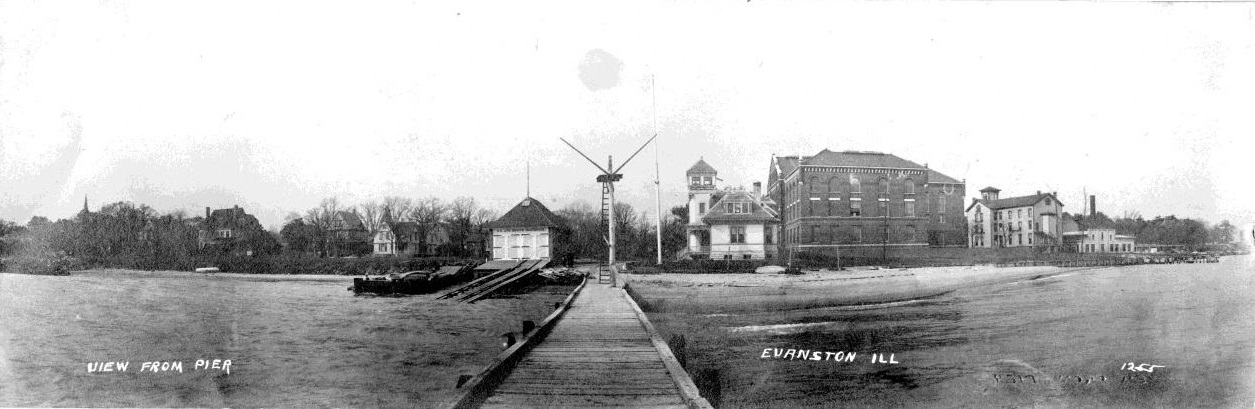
column 1163, row 230
column 128, row 235
column 315, row 230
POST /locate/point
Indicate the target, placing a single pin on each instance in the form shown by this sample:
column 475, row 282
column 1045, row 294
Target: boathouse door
column 520, row 244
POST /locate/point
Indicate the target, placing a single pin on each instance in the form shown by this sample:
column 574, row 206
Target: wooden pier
column 602, row 352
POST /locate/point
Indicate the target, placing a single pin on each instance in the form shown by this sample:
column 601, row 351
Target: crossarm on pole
column 603, row 170
column 638, row 150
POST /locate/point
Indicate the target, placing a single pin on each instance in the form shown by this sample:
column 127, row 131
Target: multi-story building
column 863, row 203
column 1099, row 241
column 1022, row 221
column 727, row 223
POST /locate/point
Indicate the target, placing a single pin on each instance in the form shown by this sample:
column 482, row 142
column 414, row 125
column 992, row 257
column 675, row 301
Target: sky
column 275, row 106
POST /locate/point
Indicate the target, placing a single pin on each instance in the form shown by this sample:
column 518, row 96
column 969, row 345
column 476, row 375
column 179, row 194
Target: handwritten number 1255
column 1140, row 368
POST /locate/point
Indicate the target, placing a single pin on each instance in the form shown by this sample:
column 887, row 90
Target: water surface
column 294, row 341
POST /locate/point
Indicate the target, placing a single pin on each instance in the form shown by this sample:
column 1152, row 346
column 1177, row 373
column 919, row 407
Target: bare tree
column 372, row 215
column 482, row 216
column 427, row 214
column 398, row 207
column 461, row 210
column 322, row 219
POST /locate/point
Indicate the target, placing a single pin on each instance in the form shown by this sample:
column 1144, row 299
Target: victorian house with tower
column 727, row 223
column 868, row 204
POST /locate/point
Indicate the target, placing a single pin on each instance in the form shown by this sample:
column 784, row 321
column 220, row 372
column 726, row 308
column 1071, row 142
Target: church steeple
column 82, row 214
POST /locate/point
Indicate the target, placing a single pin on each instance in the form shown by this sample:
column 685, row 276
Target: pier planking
column 600, row 354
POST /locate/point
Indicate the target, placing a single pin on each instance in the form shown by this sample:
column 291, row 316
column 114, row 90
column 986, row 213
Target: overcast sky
column 273, row 106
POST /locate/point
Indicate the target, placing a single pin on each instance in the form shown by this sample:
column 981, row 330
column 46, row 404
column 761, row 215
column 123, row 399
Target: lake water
column 293, row 341
column 1060, row 341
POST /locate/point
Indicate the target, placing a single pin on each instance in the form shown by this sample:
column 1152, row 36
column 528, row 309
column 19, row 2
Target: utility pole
column 608, row 176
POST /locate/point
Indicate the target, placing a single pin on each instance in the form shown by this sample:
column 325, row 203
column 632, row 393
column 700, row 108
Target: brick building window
column 855, row 185
column 882, row 206
column 884, row 187
column 834, row 185
column 856, row 208
column 909, row 187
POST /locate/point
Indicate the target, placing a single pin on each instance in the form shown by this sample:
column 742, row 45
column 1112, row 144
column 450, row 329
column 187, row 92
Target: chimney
column 206, row 212
column 1092, row 209
column 758, row 189
column 1039, row 193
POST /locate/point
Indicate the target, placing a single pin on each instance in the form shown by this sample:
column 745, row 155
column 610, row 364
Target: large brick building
column 863, row 203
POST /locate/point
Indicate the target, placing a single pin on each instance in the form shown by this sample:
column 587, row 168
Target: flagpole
column 657, row 175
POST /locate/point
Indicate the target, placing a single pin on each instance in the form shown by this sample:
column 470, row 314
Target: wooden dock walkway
column 602, row 352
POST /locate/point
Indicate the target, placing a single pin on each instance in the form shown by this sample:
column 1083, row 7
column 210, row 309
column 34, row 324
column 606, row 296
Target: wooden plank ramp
column 503, row 267
column 602, row 352
column 488, row 289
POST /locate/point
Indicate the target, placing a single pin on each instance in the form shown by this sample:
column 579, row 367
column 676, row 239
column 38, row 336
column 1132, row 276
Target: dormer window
column 707, row 181
column 737, row 207
column 695, row 180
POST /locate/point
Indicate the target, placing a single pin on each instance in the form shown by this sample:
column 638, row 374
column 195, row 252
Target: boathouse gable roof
column 528, row 213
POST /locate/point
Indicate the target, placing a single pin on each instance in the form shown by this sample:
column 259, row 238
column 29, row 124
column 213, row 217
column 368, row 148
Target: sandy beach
column 722, row 293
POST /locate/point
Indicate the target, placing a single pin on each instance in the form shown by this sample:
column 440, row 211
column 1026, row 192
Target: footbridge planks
column 602, row 352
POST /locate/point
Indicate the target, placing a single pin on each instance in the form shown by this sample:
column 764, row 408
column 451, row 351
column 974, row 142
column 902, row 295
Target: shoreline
column 725, row 293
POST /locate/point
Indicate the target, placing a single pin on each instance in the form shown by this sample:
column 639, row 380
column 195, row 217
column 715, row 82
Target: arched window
column 834, row 184
column 855, row 185
column 884, row 187
column 814, row 184
column 908, row 187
